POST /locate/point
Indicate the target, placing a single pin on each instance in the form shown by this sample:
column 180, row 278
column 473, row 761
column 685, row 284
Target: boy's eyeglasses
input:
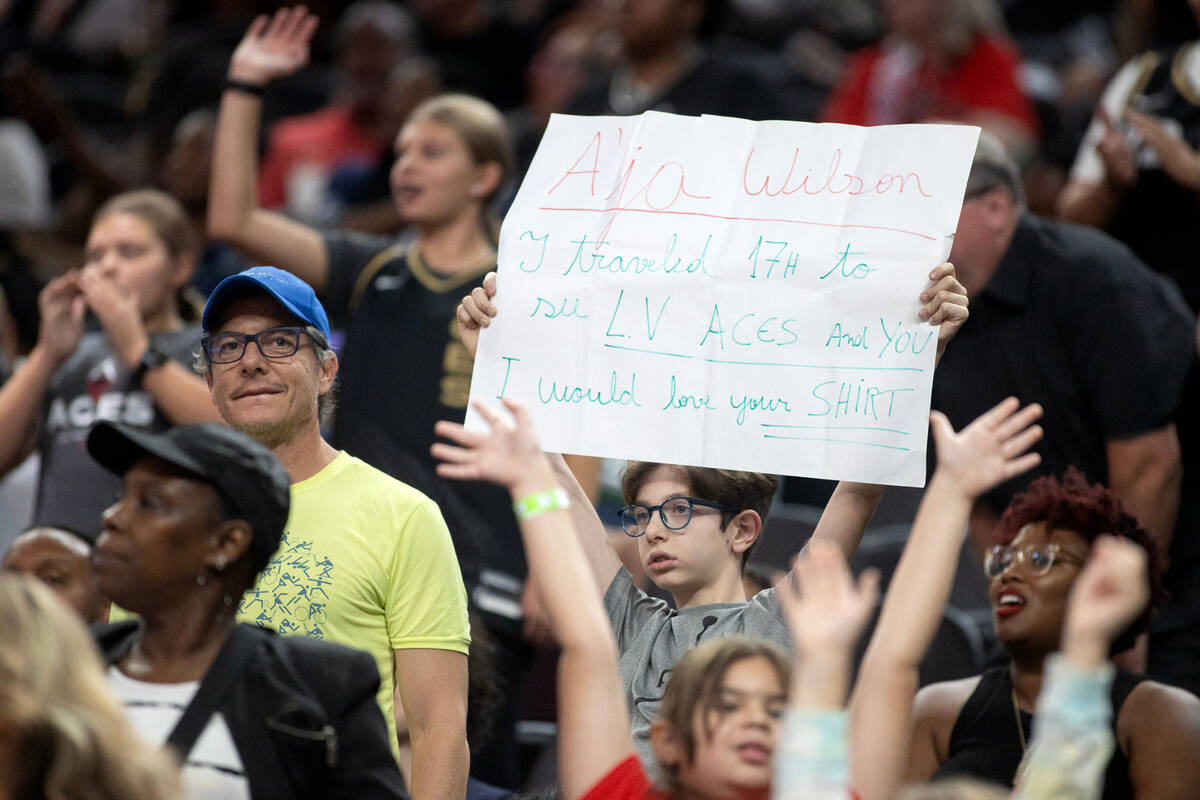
column 1037, row 558
column 227, row 348
column 675, row 513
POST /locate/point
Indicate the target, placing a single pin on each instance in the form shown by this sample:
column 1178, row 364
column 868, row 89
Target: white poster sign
column 725, row 293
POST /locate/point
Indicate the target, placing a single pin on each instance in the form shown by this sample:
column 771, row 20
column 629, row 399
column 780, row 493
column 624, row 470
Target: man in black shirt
column 1068, row 317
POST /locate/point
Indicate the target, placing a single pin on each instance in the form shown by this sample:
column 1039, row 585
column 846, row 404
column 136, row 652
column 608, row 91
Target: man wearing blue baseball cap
column 366, row 561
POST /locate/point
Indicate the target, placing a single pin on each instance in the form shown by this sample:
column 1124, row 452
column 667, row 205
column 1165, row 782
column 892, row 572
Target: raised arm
column 476, row 311
column 987, row 452
column 826, row 612
column 1146, row 472
column 1073, row 739
column 593, row 726
column 272, row 48
column 849, row 510
column 62, row 309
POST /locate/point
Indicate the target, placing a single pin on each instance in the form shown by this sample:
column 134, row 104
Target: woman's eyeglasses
column 1037, row 558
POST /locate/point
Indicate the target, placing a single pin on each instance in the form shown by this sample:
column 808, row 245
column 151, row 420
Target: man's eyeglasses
column 1037, row 558
column 675, row 513
column 228, row 348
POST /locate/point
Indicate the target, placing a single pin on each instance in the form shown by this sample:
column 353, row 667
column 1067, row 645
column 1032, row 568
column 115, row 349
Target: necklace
column 1017, row 716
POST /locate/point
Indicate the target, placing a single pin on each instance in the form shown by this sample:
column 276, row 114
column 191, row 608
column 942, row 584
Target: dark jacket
column 303, row 716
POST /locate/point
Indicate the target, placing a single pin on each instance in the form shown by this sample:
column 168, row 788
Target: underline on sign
column 760, row 363
column 833, row 428
column 835, row 441
column 623, row 209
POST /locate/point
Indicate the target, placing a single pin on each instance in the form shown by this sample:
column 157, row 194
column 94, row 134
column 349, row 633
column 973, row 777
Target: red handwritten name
column 658, row 188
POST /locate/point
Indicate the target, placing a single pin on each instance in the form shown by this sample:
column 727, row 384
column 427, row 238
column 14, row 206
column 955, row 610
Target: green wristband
column 530, row 506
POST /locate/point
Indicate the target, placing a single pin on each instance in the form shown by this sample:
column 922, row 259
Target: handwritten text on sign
column 718, row 292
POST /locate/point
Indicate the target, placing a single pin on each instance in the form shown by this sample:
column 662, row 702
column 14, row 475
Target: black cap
column 247, row 475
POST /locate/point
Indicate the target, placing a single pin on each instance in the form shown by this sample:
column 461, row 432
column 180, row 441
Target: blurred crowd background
column 104, row 95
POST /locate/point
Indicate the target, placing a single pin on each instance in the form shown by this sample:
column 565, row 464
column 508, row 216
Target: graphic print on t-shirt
column 292, row 593
column 99, row 402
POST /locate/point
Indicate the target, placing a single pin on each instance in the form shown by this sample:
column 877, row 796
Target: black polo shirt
column 1074, row 321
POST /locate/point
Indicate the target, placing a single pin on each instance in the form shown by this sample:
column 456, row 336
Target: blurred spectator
column 64, row 733
column 93, row 167
column 129, row 364
column 1068, row 55
column 372, row 38
column 941, row 60
column 184, row 174
column 1137, row 172
column 555, row 74
column 61, row 559
column 478, row 50
column 359, row 196
column 665, row 67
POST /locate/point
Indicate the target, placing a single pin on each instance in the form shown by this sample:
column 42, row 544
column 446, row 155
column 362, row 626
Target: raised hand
column 273, row 47
column 119, row 315
column 1178, row 159
column 825, row 608
column 476, row 311
column 62, row 310
column 944, row 303
column 991, row 449
column 507, row 453
column 1109, row 593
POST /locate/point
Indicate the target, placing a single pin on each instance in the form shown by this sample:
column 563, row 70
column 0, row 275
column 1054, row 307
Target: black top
column 984, row 743
column 1074, row 321
column 402, row 369
column 302, row 714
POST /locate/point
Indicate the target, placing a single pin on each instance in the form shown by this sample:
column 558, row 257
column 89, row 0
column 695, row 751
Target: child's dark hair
column 733, row 489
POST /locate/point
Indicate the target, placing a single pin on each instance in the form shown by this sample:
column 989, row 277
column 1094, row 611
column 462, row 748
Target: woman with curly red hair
column 979, row 726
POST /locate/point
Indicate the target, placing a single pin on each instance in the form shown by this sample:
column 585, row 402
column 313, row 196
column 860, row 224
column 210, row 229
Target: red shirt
column 628, row 781
column 323, row 139
column 983, row 79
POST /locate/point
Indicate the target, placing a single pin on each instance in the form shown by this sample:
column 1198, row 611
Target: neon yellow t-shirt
column 366, row 561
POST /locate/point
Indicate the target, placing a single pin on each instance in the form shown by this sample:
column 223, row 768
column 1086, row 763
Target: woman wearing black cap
column 252, row 715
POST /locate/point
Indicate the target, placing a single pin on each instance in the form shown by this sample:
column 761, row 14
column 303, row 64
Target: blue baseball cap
column 292, row 293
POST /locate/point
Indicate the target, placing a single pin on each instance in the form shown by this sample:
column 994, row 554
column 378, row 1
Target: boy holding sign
column 695, row 528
